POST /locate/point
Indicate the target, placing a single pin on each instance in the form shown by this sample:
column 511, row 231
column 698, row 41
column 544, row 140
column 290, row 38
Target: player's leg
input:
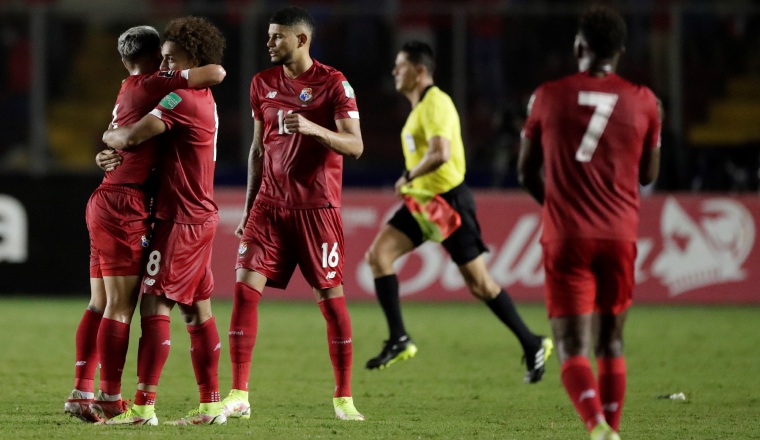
column 205, row 348
column 261, row 256
column 570, row 295
column 113, row 342
column 397, row 238
column 78, row 402
column 332, row 304
column 536, row 349
column 615, row 295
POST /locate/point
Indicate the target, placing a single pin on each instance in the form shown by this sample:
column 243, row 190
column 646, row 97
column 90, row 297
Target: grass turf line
column 464, row 383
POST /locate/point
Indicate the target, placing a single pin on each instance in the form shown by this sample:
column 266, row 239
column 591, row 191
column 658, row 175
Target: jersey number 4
column 603, row 104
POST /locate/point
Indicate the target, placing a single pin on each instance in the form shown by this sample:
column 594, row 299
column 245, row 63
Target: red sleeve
column 343, row 98
column 255, row 104
column 532, row 127
column 164, row 81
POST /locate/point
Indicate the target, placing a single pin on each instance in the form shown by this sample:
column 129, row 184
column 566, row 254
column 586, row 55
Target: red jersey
column 186, row 173
column 593, row 132
column 138, row 95
column 300, row 172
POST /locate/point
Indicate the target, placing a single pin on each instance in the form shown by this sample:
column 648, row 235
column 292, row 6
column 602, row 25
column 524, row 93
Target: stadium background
column 61, row 72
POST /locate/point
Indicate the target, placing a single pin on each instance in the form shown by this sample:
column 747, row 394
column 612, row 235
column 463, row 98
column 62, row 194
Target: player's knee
column 376, row 261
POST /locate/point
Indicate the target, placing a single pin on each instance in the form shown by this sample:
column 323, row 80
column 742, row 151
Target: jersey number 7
column 603, row 104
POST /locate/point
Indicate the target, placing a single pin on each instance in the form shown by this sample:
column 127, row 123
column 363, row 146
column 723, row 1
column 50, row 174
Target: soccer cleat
column 603, row 431
column 78, row 405
column 393, row 351
column 537, row 364
column 140, row 415
column 345, row 409
column 206, row 414
column 236, row 405
column 108, row 409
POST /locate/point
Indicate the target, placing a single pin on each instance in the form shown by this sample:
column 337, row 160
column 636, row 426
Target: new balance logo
column 587, row 394
column 271, row 95
column 330, row 275
column 149, row 281
column 218, row 346
column 81, row 363
column 341, row 341
column 167, row 342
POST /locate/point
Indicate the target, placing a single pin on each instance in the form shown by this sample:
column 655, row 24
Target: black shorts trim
column 466, row 243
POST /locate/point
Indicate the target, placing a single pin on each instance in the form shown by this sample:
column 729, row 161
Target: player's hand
column 399, row 184
column 296, row 123
column 108, row 159
column 241, row 226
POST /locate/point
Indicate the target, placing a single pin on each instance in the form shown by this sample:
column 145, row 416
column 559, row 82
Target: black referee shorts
column 466, row 243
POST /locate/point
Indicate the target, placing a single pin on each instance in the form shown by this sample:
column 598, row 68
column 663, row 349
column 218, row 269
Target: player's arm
column 347, row 141
column 529, row 164
column 130, row 135
column 205, row 76
column 437, row 154
column 649, row 166
column 255, row 172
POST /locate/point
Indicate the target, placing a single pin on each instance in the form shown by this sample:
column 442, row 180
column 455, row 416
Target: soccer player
column 117, row 218
column 434, row 155
column 305, row 121
column 178, row 266
column 597, row 137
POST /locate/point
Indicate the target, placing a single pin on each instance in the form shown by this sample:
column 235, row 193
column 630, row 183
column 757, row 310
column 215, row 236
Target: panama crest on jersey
column 243, row 248
column 306, row 94
column 144, row 241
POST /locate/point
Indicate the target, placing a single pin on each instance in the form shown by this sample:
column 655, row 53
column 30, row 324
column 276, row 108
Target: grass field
column 465, row 383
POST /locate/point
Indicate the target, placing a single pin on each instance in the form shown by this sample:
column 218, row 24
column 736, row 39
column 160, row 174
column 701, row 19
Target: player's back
column 186, row 173
column 138, row 95
column 593, row 132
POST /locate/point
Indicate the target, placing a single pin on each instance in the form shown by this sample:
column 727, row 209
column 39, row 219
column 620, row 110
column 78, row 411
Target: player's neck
column 596, row 67
column 297, row 67
column 415, row 96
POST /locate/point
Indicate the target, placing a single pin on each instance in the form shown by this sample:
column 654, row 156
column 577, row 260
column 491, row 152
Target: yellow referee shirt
column 435, row 115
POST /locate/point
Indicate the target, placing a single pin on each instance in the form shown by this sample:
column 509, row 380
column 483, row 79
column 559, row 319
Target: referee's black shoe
column 396, row 350
column 537, row 363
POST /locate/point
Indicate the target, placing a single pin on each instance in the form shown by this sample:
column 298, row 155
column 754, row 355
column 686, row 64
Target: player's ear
column 302, row 39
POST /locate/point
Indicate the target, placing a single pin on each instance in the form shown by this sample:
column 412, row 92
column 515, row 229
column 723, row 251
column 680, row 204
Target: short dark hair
column 418, row 52
column 199, row 37
column 138, row 41
column 604, row 30
column 293, row 16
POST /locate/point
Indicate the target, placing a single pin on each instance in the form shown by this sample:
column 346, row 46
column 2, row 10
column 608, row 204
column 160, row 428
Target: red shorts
column 118, row 220
column 179, row 263
column 277, row 239
column 587, row 275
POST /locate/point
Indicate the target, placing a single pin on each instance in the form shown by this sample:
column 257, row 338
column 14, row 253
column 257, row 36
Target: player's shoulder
column 267, row 74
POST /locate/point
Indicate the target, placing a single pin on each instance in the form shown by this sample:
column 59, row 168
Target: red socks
column 113, row 343
column 87, row 351
column 153, row 352
column 612, row 384
column 340, row 344
column 579, row 382
column 244, row 326
column 205, row 348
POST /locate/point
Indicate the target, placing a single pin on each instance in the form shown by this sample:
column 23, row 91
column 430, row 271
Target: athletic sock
column 153, row 351
column 145, row 398
column 503, row 307
column 87, row 351
column 612, row 385
column 113, row 343
column 339, row 341
column 579, row 382
column 244, row 326
column 205, row 348
column 386, row 290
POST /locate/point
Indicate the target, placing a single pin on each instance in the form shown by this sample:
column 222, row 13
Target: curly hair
column 197, row 36
column 604, row 30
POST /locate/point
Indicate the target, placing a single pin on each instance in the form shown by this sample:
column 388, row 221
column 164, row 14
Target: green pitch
column 465, row 382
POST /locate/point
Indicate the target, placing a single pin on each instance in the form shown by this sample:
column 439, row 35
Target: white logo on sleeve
column 330, row 275
column 271, row 95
